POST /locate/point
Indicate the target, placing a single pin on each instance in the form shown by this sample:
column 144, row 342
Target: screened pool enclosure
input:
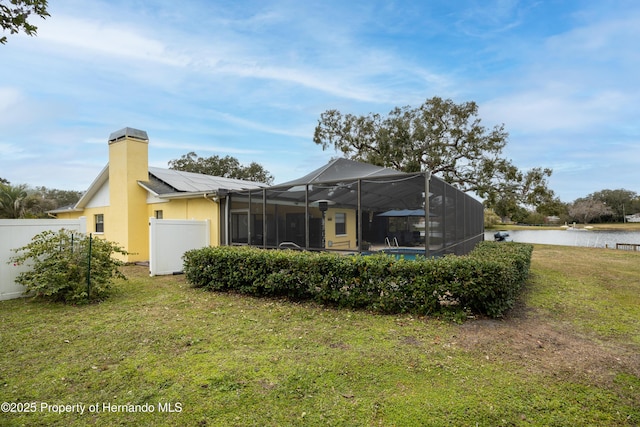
column 356, row 207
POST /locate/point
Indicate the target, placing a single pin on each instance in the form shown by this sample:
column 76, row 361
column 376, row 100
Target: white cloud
column 254, row 125
column 8, row 149
column 108, row 39
column 585, row 78
column 9, row 97
column 14, row 107
column 227, row 54
column 187, row 146
column 488, row 18
column 556, row 109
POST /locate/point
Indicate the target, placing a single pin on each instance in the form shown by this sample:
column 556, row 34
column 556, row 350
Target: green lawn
column 567, row 355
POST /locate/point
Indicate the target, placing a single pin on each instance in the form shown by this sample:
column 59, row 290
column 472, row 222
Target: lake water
column 589, row 238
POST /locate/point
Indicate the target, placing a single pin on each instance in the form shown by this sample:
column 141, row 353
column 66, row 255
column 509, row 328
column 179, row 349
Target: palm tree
column 12, row 200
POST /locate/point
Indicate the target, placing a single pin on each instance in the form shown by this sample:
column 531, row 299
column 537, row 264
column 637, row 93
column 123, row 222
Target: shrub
column 487, row 281
column 59, row 262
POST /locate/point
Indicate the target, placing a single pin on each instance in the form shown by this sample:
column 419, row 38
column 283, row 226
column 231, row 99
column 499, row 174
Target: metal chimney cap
column 128, row 133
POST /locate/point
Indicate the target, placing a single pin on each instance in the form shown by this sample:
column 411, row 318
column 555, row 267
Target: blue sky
column 250, row 79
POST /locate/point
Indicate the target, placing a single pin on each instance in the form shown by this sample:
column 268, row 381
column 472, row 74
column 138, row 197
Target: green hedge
column 486, row 281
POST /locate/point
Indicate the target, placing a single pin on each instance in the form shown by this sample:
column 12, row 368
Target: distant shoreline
column 629, row 226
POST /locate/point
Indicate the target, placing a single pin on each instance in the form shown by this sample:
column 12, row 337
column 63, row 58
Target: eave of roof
column 95, row 186
column 179, row 194
column 64, row 209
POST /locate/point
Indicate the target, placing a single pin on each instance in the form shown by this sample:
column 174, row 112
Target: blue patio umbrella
column 405, row 212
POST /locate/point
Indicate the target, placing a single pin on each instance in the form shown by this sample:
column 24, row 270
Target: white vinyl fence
column 169, row 239
column 15, row 233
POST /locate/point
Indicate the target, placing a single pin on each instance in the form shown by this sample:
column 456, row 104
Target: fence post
column 89, row 269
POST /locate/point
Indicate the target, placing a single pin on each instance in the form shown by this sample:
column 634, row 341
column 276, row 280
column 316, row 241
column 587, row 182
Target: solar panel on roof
column 193, row 182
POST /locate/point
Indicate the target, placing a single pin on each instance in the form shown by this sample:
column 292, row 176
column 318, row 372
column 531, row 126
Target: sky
column 250, row 79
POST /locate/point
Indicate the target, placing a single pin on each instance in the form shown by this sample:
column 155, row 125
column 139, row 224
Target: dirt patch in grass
column 539, row 345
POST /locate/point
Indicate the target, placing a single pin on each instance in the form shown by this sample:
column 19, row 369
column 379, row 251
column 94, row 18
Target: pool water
column 409, row 254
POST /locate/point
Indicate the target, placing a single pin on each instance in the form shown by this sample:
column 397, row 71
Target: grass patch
column 594, row 289
column 566, row 356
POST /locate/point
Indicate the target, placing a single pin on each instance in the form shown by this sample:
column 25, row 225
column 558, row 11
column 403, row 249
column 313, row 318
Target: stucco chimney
column 128, row 164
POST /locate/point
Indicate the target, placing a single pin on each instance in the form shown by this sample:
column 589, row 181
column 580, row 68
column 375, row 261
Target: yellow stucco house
column 343, row 206
column 127, row 192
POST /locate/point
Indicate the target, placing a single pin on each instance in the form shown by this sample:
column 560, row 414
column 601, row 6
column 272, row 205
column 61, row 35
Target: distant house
column 553, row 219
column 633, row 218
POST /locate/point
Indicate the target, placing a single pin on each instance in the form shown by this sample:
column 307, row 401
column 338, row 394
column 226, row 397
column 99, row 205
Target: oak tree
column 621, row 202
column 228, row 167
column 443, row 137
column 588, row 209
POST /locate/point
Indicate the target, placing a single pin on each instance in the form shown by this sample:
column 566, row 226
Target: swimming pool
column 409, row 254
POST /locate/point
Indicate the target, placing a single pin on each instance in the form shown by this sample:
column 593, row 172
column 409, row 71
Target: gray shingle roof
column 342, row 169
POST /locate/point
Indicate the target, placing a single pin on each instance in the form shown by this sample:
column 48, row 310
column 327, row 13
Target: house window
column 99, row 220
column 157, row 214
column 341, row 224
